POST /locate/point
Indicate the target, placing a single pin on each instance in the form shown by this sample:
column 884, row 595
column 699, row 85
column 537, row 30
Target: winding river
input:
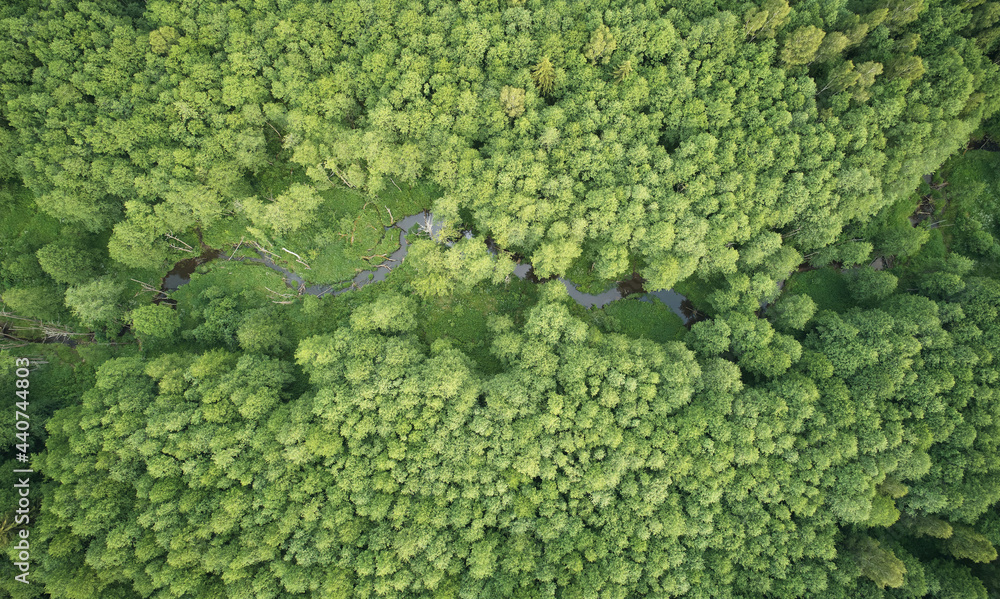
column 181, row 274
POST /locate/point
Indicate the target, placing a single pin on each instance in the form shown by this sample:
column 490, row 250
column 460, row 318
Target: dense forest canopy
column 658, row 135
column 826, row 424
column 592, row 465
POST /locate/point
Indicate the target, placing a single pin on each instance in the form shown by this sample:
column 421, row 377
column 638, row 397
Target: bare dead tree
column 339, row 174
column 186, row 248
column 48, row 329
column 428, row 226
column 282, row 298
column 298, row 258
column 236, row 249
column 260, row 248
column 273, row 128
column 52, row 330
column 146, row 287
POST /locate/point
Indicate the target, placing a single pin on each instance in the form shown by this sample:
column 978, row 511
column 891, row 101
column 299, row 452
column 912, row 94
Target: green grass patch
column 226, row 232
column 641, row 320
column 405, row 200
column 825, row 286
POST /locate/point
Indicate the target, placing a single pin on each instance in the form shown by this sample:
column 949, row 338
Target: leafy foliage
column 456, row 433
column 662, row 137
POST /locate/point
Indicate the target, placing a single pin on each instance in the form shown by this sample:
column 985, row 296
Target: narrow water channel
column 181, row 274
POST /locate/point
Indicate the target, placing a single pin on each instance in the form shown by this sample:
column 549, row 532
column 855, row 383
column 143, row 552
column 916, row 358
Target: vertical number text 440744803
column 23, row 425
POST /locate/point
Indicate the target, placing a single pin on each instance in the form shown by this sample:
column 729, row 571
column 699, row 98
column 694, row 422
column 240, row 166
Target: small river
column 181, row 274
